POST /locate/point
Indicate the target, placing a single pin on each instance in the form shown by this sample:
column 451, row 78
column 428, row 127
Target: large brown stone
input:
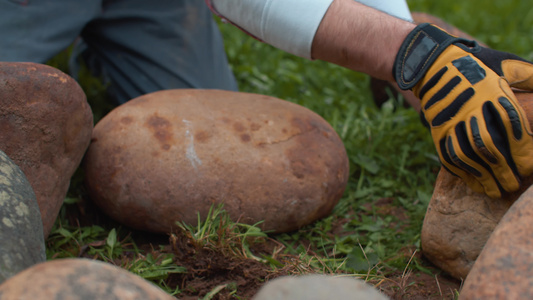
column 167, row 156
column 504, row 269
column 45, row 128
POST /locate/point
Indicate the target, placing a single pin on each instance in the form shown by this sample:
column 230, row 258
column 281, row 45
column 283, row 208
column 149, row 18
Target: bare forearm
column 343, row 32
column 360, row 38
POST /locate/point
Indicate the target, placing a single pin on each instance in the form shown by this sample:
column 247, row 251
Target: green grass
column 392, row 159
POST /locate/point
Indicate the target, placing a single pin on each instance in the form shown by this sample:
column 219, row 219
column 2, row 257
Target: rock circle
column 169, row 155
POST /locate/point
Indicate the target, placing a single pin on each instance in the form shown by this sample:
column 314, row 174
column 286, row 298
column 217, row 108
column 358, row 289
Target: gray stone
column 21, row 230
column 318, row 287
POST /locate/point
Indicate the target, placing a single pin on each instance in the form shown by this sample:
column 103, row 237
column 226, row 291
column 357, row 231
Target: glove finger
column 491, row 141
column 461, row 152
column 454, row 169
column 518, row 73
column 517, row 126
column 435, row 97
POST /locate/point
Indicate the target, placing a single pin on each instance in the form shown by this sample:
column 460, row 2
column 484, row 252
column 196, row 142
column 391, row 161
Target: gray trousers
column 139, row 46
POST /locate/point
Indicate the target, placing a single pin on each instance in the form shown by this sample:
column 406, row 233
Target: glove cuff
column 418, row 51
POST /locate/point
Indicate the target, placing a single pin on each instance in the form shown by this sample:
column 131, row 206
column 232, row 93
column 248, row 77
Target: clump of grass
column 233, row 258
column 219, row 233
column 93, row 241
column 156, row 267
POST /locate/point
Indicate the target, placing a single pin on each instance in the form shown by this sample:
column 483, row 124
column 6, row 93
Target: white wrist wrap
column 289, row 25
column 396, row 8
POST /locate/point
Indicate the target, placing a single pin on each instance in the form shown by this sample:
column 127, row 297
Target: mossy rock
column 21, row 229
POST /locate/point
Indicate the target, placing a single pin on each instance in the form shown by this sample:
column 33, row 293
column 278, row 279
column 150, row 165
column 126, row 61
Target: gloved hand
column 480, row 131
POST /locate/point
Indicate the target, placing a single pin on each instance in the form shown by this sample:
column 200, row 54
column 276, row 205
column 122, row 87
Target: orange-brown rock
column 459, row 221
column 167, row 156
column 45, row 128
column 504, row 269
column 81, row 279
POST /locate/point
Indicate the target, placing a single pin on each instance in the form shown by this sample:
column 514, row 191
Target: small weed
column 156, row 268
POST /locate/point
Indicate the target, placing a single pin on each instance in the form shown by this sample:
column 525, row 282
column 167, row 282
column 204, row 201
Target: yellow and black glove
column 480, row 131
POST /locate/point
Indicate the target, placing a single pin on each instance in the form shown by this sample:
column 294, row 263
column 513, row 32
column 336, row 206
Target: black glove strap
column 419, row 50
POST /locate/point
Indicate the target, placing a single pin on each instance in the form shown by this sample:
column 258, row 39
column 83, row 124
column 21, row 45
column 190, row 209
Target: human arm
column 360, row 38
column 484, row 138
column 328, row 30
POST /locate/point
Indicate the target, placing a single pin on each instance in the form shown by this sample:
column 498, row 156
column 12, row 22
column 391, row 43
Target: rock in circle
column 169, row 155
column 45, row 128
column 459, row 221
column 504, row 269
column 21, row 229
column 78, row 278
column 317, row 287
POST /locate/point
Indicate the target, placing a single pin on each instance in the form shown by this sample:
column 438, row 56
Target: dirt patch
column 241, row 278
column 238, row 277
column 419, row 286
column 211, row 268
column 415, row 284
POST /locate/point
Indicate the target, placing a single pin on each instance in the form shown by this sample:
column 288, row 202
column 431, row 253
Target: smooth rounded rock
column 318, row 287
column 504, row 269
column 45, row 128
column 459, row 221
column 80, row 279
column 167, row 156
column 21, row 229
